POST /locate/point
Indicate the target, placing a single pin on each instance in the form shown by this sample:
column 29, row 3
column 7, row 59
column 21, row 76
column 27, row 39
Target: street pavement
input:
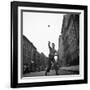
column 62, row 71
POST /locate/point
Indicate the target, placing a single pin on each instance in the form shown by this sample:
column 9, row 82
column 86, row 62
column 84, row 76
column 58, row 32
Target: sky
column 40, row 28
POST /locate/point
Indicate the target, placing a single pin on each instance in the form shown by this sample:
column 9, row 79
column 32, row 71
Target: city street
column 62, row 71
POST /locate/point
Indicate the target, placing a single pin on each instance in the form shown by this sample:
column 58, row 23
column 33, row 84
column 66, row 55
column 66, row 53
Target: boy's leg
column 48, row 68
column 55, row 67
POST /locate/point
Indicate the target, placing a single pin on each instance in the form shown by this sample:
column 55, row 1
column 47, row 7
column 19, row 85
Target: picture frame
column 21, row 15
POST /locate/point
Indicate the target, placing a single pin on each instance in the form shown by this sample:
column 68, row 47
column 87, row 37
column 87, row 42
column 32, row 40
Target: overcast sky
column 40, row 28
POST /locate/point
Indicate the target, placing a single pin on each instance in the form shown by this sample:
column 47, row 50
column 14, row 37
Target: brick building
column 70, row 37
column 60, row 51
column 29, row 52
column 32, row 59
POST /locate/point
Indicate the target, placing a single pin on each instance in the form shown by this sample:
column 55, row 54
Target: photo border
column 14, row 43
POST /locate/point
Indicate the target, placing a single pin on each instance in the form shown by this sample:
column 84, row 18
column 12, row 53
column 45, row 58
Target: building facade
column 60, row 51
column 70, row 37
column 29, row 54
column 32, row 59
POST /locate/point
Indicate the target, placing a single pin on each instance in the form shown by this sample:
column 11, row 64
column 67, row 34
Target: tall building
column 37, row 61
column 43, row 61
column 60, row 51
column 70, row 37
column 32, row 59
column 29, row 54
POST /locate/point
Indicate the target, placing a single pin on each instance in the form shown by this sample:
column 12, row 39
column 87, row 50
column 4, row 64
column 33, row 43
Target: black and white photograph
column 51, row 43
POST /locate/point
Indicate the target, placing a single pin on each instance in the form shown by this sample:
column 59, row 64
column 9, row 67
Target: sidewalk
column 71, row 68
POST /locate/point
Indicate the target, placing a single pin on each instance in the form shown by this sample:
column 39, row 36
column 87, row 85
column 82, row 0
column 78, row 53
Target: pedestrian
column 51, row 59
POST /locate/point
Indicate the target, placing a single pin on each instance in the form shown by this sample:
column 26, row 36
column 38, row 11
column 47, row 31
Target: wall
column 5, row 46
column 70, row 37
column 60, row 51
